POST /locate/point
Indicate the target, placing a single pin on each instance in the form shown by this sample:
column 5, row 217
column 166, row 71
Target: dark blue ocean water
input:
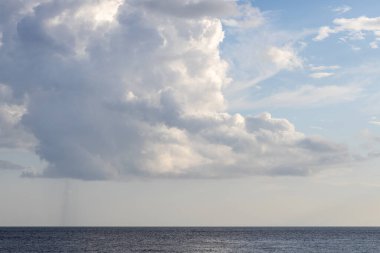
column 191, row 239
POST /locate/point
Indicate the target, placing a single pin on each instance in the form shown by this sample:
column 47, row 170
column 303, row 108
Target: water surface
column 190, row 239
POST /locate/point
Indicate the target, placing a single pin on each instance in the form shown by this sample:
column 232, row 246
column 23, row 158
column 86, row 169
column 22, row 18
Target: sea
column 189, row 239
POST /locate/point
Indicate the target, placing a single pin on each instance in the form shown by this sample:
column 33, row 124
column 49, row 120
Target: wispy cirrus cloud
column 308, row 95
column 319, row 75
column 342, row 9
column 374, row 122
column 324, row 68
column 356, row 29
column 321, row 71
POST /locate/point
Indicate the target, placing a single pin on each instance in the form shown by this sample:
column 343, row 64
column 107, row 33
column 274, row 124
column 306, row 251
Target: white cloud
column 138, row 92
column 285, row 57
column 249, row 17
column 323, row 33
column 321, row 71
column 375, row 122
column 309, row 95
column 255, row 58
column 357, row 28
column 258, row 51
column 362, row 23
column 374, row 44
column 323, row 68
column 342, row 9
column 319, row 75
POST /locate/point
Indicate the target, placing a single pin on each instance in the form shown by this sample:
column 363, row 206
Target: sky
column 189, row 113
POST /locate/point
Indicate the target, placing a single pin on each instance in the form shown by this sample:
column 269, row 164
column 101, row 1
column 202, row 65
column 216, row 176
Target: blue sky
column 189, row 112
column 354, row 64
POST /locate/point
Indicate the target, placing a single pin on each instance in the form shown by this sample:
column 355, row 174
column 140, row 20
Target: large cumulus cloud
column 116, row 89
